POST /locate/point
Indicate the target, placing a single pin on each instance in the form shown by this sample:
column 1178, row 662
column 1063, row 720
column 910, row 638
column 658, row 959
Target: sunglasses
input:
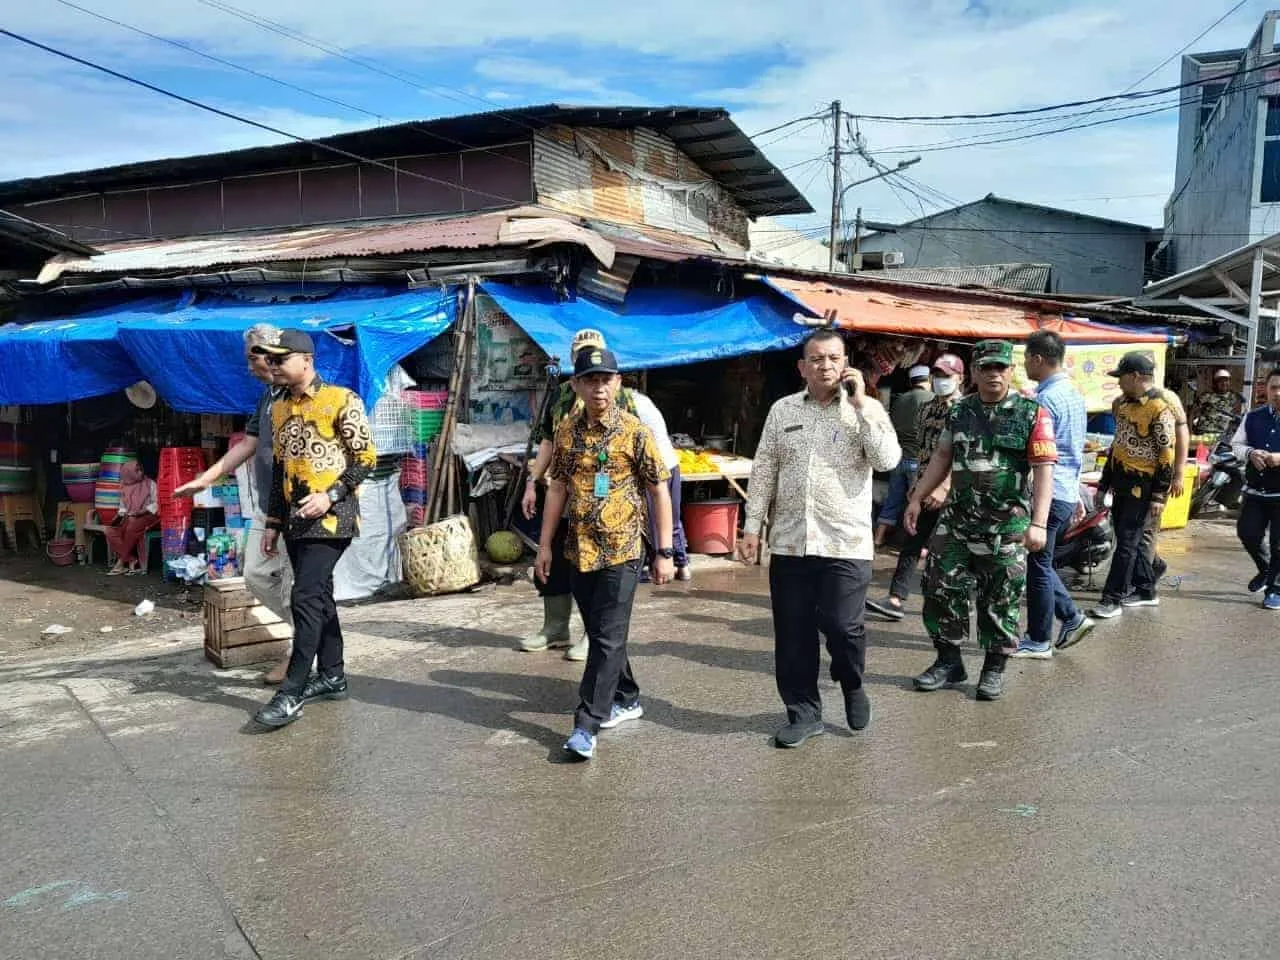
column 278, row 361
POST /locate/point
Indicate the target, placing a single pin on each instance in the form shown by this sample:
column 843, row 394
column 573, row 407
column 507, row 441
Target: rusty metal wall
column 571, row 176
column 461, row 182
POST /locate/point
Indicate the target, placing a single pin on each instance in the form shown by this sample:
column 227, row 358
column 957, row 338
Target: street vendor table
column 728, row 468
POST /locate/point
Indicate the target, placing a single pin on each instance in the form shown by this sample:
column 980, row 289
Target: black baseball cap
column 595, row 360
column 1134, row 362
column 289, row 341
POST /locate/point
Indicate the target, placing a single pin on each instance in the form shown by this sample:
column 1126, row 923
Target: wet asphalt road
column 1121, row 800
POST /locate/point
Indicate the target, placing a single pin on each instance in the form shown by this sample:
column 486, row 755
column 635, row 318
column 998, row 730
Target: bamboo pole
column 443, row 452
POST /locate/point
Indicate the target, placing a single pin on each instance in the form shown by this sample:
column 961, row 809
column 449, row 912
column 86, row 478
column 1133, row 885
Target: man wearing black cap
column 323, row 451
column 1138, row 473
column 603, row 462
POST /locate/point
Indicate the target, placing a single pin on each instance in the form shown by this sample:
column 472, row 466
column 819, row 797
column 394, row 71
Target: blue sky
column 766, row 61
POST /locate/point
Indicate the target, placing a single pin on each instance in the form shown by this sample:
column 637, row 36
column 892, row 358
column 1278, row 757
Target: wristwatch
column 336, row 493
column 666, row 553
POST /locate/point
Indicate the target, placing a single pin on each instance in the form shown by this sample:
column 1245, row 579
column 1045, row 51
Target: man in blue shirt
column 1257, row 445
column 1047, row 597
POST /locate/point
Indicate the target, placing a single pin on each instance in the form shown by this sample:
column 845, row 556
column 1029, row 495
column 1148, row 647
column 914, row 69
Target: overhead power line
column 789, row 123
column 283, row 83
column 961, row 142
column 1052, row 108
column 228, row 114
column 219, row 60
column 417, row 83
column 1186, row 46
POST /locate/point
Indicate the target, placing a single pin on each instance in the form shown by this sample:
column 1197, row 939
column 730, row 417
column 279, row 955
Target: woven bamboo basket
column 441, row 557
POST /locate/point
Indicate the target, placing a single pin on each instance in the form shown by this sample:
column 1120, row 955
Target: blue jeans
column 1046, row 595
column 895, row 502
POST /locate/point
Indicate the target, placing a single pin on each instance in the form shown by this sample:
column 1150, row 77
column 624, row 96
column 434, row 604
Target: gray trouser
column 270, row 579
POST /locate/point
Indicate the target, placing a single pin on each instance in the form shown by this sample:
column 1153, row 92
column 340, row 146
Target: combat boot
column 556, row 612
column 947, row 669
column 991, row 683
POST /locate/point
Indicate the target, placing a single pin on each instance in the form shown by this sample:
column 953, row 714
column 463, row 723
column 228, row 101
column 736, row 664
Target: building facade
column 1226, row 190
column 1088, row 255
column 681, row 172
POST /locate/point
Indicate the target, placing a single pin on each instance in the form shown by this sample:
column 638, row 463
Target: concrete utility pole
column 835, row 184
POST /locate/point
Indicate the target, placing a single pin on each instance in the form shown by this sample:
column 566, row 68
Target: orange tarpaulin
column 945, row 315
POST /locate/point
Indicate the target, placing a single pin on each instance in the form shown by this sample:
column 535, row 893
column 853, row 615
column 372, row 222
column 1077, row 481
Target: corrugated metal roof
column 37, row 238
column 706, row 134
column 306, row 243
column 1018, row 277
column 927, row 312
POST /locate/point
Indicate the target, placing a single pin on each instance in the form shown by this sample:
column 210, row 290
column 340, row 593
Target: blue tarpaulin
column 191, row 347
column 67, row 359
column 654, row 328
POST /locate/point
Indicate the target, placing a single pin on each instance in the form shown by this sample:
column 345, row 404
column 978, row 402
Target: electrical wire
column 442, row 90
column 218, row 111
column 783, row 126
column 284, row 83
column 219, row 60
column 1053, row 108
column 1186, row 46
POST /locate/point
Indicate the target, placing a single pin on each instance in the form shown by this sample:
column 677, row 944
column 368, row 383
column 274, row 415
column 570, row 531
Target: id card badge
column 602, row 485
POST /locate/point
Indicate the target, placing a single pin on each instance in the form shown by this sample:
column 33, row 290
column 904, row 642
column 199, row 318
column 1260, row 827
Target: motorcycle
column 1224, row 487
column 1089, row 540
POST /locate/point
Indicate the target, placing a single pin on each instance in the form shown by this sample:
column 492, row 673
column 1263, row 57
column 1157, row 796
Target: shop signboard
column 1087, row 365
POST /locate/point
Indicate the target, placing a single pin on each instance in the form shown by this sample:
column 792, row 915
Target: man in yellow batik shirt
column 603, row 462
column 323, row 451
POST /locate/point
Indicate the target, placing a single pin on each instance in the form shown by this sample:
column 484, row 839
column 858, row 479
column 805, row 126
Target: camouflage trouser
column 996, row 567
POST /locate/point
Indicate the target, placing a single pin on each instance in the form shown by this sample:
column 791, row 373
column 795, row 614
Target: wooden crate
column 243, row 656
column 238, row 630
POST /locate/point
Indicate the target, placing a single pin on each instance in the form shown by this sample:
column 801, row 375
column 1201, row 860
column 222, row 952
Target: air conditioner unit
column 894, row 258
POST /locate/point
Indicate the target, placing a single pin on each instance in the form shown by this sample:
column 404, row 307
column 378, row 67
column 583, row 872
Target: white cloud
column 777, row 61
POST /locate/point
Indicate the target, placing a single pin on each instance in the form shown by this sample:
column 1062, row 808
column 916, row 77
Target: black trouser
column 316, row 631
column 604, row 599
column 905, row 575
column 1130, row 564
column 1256, row 514
column 811, row 594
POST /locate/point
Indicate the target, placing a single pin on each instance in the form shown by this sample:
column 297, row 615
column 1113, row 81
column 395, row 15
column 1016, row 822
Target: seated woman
column 139, row 512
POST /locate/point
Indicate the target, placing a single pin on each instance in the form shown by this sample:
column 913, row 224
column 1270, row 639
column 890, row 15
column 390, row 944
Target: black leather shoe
column 321, row 687
column 991, row 683
column 947, row 669
column 794, row 734
column 857, row 708
column 283, row 709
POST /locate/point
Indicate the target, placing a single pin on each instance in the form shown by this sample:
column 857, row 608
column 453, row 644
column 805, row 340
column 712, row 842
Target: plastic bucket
column 711, row 526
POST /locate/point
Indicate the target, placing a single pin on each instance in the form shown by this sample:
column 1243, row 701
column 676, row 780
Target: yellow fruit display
column 698, row 461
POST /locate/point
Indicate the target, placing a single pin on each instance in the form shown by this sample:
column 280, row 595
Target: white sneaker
column 621, row 714
column 578, row 651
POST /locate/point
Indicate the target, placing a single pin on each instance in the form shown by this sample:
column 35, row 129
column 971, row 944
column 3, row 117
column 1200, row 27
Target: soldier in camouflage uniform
column 994, row 444
column 1214, row 413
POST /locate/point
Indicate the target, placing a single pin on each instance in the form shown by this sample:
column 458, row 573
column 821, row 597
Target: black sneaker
column 1106, row 610
column 1072, row 633
column 1257, row 583
column 794, row 734
column 283, row 709
column 857, row 708
column 321, row 687
column 1138, row 600
column 886, row 609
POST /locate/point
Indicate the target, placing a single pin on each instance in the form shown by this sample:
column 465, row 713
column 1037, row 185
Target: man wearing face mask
column 948, row 375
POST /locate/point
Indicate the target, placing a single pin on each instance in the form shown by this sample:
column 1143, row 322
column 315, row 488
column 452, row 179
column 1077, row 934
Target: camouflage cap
column 987, row 353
